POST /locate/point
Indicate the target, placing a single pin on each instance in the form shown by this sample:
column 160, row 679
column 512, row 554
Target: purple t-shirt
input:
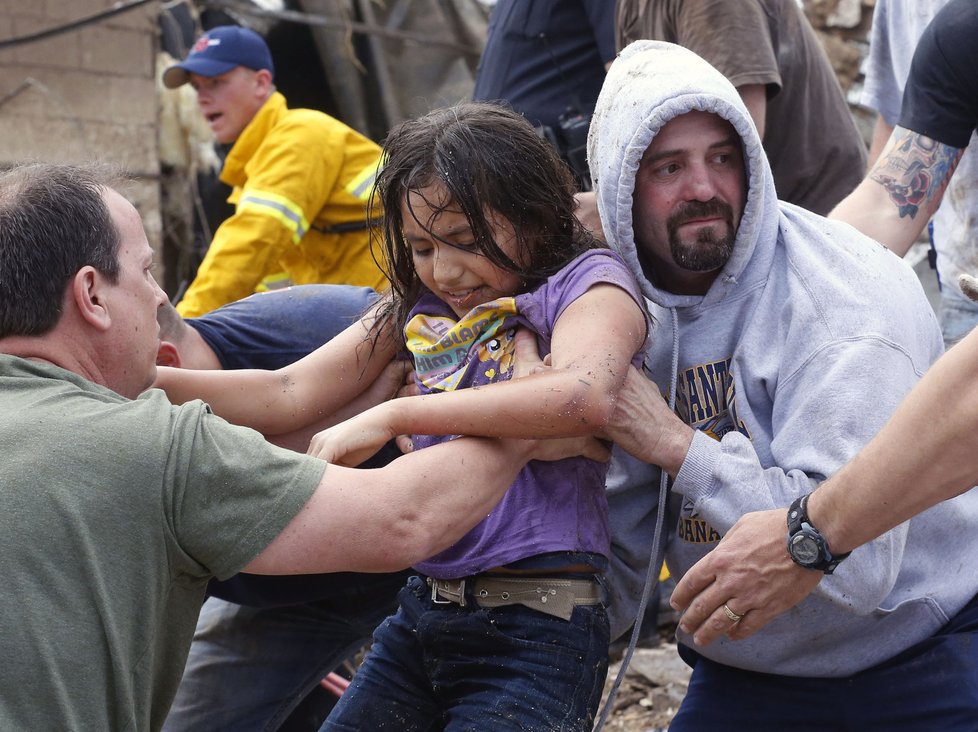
column 552, row 507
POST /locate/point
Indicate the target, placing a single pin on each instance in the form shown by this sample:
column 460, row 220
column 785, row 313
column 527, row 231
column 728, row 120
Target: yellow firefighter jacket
column 301, row 181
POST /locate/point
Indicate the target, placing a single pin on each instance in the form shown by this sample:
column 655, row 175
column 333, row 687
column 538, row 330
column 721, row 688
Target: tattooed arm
column 901, row 191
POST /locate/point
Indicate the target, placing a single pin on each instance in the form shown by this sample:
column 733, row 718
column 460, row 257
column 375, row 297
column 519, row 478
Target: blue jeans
column 249, row 667
column 957, row 315
column 932, row 685
column 445, row 667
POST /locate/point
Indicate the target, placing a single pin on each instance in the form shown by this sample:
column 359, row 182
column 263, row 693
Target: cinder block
column 132, row 146
column 61, row 51
column 10, row 8
column 78, row 95
column 142, row 17
column 63, row 10
column 6, row 31
column 25, row 93
column 131, row 99
column 117, row 51
column 28, row 138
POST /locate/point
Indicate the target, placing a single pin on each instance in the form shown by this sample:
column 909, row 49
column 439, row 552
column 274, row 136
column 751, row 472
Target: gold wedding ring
column 734, row 617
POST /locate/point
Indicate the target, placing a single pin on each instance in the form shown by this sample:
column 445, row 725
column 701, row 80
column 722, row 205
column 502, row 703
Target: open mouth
column 213, row 117
column 464, row 298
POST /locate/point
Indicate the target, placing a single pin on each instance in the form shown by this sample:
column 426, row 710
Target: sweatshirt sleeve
column 821, row 415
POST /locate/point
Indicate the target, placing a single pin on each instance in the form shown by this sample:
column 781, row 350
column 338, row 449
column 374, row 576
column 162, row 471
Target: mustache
column 699, row 209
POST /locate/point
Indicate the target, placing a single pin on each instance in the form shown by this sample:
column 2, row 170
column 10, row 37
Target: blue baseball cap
column 218, row 51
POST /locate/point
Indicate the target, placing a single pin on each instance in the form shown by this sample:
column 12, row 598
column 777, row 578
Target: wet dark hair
column 53, row 221
column 490, row 160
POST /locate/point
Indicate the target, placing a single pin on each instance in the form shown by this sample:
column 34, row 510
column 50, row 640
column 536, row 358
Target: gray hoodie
column 798, row 353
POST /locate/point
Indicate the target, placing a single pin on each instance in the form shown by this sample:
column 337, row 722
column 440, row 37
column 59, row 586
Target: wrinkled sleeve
column 941, row 96
column 822, row 415
column 228, row 492
column 601, row 15
column 734, row 37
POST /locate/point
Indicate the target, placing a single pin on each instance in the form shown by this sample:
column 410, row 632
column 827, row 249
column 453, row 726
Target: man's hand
column 751, row 573
column 644, row 426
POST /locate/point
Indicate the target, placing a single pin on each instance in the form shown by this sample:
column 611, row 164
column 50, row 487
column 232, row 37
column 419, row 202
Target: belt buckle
column 435, row 586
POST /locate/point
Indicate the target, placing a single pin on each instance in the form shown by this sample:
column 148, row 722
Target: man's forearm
column 392, row 517
column 902, row 190
column 926, row 453
column 451, row 492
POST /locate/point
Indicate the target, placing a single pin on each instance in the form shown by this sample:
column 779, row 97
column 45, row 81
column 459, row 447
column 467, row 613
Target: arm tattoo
column 915, row 170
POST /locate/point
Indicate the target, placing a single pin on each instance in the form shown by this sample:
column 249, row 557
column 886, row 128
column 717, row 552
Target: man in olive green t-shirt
column 118, row 507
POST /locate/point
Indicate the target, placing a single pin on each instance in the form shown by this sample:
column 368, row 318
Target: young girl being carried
column 507, row 628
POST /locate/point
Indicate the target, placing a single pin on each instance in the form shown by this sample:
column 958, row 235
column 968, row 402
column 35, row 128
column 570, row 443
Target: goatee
column 708, row 251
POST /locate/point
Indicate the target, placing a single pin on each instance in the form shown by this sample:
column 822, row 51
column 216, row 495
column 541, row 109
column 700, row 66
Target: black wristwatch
column 806, row 547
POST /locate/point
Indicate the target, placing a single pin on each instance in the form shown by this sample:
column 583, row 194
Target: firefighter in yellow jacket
column 301, row 179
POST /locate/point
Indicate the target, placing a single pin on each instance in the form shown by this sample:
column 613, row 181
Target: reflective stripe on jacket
column 296, row 174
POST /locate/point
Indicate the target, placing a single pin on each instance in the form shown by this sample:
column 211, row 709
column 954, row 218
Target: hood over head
column 648, row 85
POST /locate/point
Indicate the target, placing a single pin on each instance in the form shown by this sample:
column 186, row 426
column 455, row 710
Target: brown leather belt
column 557, row 596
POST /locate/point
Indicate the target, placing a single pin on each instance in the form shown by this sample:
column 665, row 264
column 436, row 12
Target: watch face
column 805, row 550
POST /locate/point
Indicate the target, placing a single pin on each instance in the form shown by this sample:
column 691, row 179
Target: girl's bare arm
column 592, row 346
column 300, row 394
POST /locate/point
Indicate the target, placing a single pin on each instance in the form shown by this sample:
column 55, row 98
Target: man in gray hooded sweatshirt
column 784, row 341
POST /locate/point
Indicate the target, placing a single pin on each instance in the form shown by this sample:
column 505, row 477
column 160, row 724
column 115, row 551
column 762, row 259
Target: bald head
column 181, row 346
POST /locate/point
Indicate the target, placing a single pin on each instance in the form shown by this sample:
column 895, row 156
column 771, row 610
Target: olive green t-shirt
column 115, row 514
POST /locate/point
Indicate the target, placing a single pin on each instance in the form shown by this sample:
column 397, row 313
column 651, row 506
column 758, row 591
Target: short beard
column 708, row 252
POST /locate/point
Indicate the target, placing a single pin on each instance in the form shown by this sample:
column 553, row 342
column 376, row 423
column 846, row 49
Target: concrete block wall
column 85, row 94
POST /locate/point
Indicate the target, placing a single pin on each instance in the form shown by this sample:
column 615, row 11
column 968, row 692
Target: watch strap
column 797, row 519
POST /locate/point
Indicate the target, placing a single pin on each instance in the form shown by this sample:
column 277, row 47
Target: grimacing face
column 690, row 192
column 446, row 256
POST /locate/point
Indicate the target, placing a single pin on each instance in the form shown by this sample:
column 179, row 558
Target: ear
column 263, row 83
column 88, row 295
column 168, row 355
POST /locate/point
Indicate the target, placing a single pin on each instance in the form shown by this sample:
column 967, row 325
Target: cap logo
column 203, row 43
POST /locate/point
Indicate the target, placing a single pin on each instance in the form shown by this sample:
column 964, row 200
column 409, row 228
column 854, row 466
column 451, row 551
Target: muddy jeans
column 446, row 667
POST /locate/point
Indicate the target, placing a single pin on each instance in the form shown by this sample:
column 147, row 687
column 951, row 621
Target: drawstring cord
column 658, row 545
